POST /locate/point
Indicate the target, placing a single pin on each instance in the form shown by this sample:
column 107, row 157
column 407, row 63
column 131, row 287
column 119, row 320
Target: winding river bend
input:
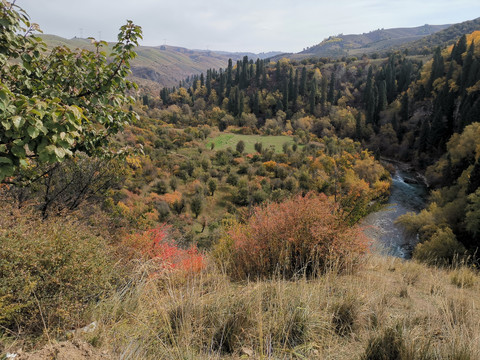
column 408, row 194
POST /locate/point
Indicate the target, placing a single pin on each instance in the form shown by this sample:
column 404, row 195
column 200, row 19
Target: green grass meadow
column 225, row 141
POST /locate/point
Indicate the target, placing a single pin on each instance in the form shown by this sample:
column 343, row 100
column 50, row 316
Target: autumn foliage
column 156, row 245
column 303, row 235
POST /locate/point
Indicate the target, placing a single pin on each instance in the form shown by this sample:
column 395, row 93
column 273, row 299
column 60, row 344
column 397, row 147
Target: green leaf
column 6, row 170
column 60, row 152
column 6, row 124
column 5, row 160
column 18, row 122
column 50, row 149
column 18, row 151
column 33, row 132
column 3, row 95
column 44, row 156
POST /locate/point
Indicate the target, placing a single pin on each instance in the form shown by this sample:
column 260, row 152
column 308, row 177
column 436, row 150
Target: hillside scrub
column 302, row 235
column 51, row 272
column 389, row 306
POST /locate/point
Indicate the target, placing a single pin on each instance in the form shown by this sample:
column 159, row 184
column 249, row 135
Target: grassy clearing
column 224, row 141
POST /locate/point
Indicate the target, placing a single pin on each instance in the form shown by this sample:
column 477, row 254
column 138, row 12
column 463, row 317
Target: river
column 407, row 194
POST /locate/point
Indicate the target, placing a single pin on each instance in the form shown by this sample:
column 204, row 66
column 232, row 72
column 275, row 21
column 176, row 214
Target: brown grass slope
column 373, row 41
column 164, row 65
column 390, row 309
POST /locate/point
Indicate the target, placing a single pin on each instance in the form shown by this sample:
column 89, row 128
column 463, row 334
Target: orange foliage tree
column 303, row 235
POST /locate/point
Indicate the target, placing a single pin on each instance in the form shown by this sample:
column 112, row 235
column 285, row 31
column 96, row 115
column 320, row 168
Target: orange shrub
column 270, row 165
column 156, row 245
column 300, row 235
column 170, row 198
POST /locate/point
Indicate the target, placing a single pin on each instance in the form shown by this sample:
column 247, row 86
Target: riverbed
column 408, row 194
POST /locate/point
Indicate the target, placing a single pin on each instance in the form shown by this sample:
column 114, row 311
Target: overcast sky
column 241, row 25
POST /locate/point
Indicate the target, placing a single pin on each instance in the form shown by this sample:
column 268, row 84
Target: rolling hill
column 444, row 37
column 417, row 40
column 374, row 41
column 164, row 65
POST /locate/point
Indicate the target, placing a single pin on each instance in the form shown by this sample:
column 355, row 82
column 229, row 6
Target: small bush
column 50, row 272
column 156, row 245
column 463, row 277
column 300, row 235
column 442, row 248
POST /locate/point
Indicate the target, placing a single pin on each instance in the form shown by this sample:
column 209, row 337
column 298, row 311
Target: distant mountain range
column 416, row 40
column 374, row 41
column 165, row 65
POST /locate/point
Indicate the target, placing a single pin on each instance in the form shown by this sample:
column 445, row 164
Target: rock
column 247, row 351
column 90, row 327
column 409, row 180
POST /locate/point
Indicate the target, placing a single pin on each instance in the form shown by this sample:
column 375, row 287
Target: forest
column 221, row 218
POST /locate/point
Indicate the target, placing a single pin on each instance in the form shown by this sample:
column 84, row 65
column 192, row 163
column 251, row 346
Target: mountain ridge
column 418, row 40
column 164, row 65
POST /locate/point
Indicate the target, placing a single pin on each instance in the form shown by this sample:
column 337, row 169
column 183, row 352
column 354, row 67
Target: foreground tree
column 56, row 103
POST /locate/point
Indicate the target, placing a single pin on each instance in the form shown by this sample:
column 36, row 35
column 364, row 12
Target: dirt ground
column 66, row 350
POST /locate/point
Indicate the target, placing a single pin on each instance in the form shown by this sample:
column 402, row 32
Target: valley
column 166, row 203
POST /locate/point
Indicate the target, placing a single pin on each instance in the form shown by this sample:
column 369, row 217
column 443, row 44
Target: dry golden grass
column 389, row 309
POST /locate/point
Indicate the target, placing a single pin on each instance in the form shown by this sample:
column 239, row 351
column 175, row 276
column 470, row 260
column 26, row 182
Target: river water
column 380, row 226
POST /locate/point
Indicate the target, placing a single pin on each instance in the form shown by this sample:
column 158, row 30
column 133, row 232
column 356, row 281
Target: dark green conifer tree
column 209, row 82
column 438, row 69
column 382, row 96
column 323, row 91
column 256, row 103
column 423, row 138
column 467, row 64
column 285, row 94
column 368, row 86
column 390, row 80
column 264, row 78
column 278, row 72
column 358, row 127
column 290, row 84
column 438, row 130
column 258, row 72
column 229, row 78
column 238, row 73
column 241, row 104
column 459, row 49
column 331, row 89
column 295, row 90
column 313, row 96
column 221, row 86
column 303, row 82
column 404, row 109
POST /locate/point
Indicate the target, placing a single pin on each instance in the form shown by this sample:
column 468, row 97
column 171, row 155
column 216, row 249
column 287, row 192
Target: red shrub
column 300, row 235
column 156, row 245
